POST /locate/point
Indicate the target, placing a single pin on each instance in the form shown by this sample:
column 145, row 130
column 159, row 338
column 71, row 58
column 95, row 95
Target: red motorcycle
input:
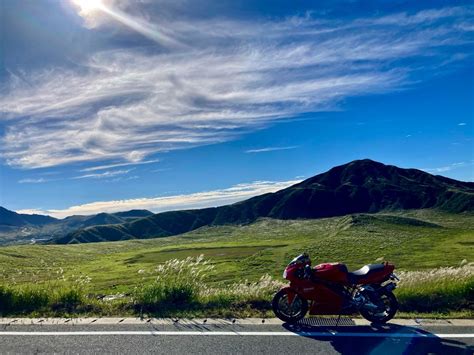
column 331, row 289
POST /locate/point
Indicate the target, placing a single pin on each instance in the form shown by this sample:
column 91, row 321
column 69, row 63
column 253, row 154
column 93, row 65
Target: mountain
column 16, row 227
column 10, row 218
column 133, row 214
column 102, row 218
column 38, row 220
column 360, row 186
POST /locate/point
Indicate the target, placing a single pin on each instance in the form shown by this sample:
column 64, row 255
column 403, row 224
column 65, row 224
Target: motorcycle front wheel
column 388, row 306
column 286, row 311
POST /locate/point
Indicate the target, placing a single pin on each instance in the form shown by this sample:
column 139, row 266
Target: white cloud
column 462, row 123
column 449, row 167
column 31, row 211
column 32, row 181
column 123, row 178
column 270, row 149
column 424, row 16
column 230, row 77
column 119, row 11
column 106, row 174
column 103, row 167
column 177, row 202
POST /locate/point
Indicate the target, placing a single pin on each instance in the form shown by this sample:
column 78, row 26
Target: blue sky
column 118, row 104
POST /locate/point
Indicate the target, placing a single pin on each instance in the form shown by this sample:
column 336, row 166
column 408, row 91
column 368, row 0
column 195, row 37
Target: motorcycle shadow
column 347, row 338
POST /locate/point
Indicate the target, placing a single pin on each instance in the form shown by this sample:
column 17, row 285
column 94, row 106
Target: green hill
column 412, row 239
column 362, row 186
column 13, row 219
column 21, row 228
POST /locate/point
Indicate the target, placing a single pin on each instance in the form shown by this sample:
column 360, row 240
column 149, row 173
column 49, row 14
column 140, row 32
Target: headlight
column 284, row 274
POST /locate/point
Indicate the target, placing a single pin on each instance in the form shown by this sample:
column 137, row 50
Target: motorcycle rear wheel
column 290, row 313
column 380, row 317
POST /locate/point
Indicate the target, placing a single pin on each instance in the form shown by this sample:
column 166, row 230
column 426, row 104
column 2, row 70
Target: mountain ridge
column 361, row 186
column 12, row 218
column 16, row 227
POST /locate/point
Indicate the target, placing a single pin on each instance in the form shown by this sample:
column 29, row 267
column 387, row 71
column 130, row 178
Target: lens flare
column 92, row 10
column 87, row 6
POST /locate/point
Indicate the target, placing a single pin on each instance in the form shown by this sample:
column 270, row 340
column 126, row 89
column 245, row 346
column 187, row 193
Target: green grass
column 441, row 289
column 57, row 298
column 413, row 240
column 177, row 290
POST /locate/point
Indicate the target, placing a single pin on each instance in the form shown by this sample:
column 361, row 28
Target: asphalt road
column 227, row 338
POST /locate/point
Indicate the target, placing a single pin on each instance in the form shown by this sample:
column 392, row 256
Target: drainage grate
column 324, row 322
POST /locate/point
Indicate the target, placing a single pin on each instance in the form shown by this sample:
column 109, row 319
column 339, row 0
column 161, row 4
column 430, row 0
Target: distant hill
column 16, row 227
column 13, row 219
column 362, row 186
column 133, row 214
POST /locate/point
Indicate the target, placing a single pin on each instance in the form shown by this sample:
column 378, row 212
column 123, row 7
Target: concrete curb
column 218, row 321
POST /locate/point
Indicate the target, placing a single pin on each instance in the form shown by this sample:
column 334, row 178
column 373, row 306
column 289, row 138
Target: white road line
column 228, row 333
column 220, row 321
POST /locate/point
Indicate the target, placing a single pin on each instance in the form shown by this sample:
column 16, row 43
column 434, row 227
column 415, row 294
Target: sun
column 87, row 6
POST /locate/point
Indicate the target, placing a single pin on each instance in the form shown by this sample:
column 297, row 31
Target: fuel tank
column 335, row 272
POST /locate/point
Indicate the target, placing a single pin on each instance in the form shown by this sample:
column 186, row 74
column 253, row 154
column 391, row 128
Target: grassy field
column 414, row 240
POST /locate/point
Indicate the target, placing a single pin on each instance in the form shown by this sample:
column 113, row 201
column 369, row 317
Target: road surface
column 234, row 337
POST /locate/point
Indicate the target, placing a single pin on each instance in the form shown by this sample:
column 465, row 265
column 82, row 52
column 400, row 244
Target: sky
column 112, row 105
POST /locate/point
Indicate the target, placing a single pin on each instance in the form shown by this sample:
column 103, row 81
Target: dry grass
column 441, row 289
column 177, row 288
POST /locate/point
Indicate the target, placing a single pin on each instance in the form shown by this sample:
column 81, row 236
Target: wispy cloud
column 177, row 202
column 123, row 178
column 270, row 149
column 106, row 174
column 32, row 181
column 424, row 16
column 462, row 123
column 230, row 77
column 449, row 167
column 103, row 167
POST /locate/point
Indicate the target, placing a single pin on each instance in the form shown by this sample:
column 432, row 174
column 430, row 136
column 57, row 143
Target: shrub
column 22, row 299
column 67, row 299
column 30, row 298
column 57, row 295
column 177, row 284
column 6, row 299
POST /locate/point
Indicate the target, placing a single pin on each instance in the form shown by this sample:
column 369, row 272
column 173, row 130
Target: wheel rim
column 292, row 310
column 384, row 307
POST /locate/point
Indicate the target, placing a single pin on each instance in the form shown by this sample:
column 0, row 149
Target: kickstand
column 338, row 319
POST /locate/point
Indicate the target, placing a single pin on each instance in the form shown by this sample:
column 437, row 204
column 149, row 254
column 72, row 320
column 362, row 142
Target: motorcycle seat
column 365, row 270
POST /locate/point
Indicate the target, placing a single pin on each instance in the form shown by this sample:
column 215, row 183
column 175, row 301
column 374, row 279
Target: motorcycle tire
column 286, row 312
column 392, row 307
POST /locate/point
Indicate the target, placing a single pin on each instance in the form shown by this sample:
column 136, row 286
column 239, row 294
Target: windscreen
column 301, row 259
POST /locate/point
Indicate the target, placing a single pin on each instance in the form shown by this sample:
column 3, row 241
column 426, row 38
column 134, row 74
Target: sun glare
column 87, row 6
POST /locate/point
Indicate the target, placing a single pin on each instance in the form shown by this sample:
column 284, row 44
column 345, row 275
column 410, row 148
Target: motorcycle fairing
column 323, row 299
column 324, row 290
